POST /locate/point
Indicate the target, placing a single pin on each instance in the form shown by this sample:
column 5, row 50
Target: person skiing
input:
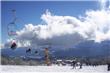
column 80, row 65
column 74, row 63
column 108, row 66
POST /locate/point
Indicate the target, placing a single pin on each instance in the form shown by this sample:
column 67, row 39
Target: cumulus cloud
column 66, row 31
column 99, row 24
column 58, row 30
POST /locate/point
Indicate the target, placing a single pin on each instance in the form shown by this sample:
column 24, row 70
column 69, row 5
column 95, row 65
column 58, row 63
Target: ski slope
column 54, row 68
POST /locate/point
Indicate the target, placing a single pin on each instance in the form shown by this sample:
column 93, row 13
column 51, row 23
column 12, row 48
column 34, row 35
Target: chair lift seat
column 13, row 45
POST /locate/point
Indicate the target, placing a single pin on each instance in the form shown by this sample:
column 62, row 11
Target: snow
column 53, row 68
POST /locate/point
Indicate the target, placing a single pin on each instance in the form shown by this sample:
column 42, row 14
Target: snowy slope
column 85, row 69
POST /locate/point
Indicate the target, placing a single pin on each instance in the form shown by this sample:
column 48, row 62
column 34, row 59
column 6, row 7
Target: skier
column 80, row 65
column 108, row 66
column 74, row 63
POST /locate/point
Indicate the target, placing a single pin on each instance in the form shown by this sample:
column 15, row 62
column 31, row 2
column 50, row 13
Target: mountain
column 83, row 49
column 21, row 52
column 87, row 49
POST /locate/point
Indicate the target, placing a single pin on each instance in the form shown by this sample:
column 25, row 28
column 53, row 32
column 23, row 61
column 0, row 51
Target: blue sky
column 31, row 11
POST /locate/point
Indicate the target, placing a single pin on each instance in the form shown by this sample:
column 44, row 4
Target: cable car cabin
column 13, row 46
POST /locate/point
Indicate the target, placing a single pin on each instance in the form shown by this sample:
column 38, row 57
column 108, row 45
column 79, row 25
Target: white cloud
column 99, row 22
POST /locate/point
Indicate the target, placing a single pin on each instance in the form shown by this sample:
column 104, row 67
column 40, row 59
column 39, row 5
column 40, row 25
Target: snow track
column 85, row 69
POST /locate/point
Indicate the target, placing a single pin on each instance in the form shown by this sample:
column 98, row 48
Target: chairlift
column 11, row 29
column 36, row 52
column 13, row 46
column 28, row 50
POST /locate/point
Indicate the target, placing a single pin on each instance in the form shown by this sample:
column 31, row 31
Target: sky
column 56, row 22
column 30, row 12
